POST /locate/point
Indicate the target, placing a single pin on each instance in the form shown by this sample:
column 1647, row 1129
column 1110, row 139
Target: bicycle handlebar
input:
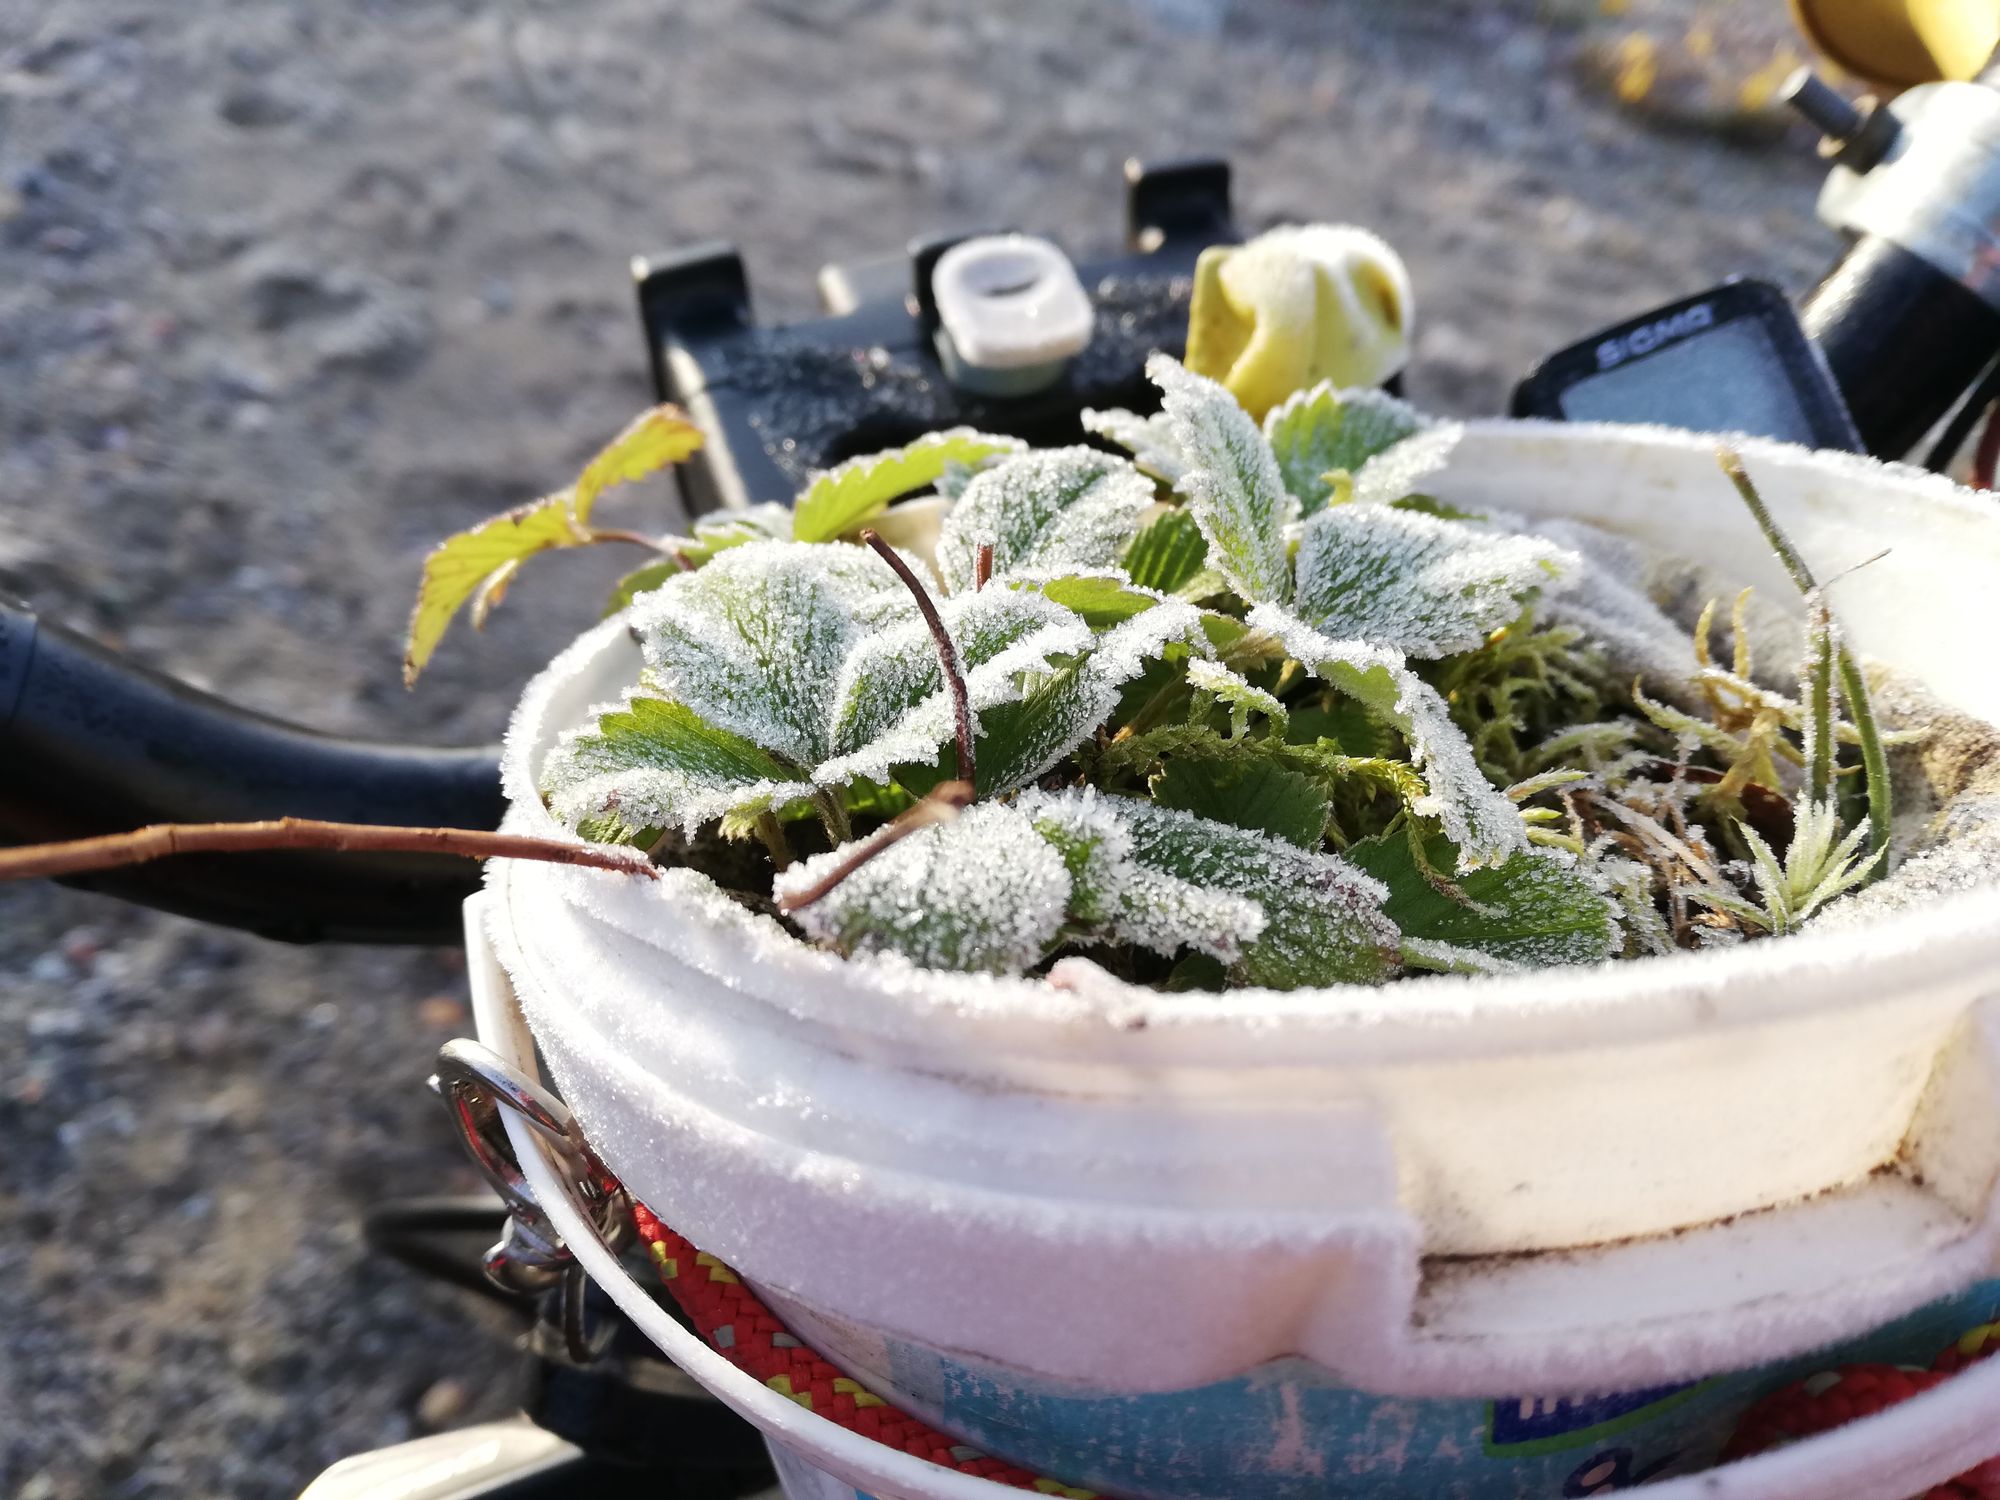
column 91, row 743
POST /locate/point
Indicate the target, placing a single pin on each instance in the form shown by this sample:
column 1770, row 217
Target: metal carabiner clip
column 475, row 1084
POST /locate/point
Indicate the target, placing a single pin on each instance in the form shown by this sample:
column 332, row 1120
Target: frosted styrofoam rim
column 1950, row 943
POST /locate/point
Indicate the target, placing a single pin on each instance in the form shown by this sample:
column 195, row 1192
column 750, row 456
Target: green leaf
column 461, row 565
column 655, row 764
column 1427, row 587
column 1019, row 741
column 1430, row 505
column 769, row 522
column 1537, row 910
column 641, row 581
column 891, row 707
column 1347, row 724
column 1323, row 919
column 1246, row 792
column 1101, row 601
column 479, row 564
column 1234, row 490
column 1480, row 822
column 1056, row 510
column 1168, row 553
column 839, row 500
column 653, row 440
column 1322, row 431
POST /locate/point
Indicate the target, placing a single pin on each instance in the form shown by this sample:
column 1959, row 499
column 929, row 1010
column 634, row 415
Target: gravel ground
column 287, row 292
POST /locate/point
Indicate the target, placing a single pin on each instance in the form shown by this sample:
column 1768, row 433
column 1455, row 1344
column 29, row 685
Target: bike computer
column 1730, row 359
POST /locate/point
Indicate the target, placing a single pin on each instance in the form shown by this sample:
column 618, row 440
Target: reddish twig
column 947, row 653
column 1987, row 454
column 113, row 850
column 945, row 802
column 983, row 569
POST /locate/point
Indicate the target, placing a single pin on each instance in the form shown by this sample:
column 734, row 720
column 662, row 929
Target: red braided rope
column 739, row 1327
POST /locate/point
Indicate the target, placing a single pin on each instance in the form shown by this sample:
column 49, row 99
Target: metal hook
column 475, row 1084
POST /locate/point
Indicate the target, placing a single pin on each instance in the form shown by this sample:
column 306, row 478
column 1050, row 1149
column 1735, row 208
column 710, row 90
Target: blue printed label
column 1543, row 1424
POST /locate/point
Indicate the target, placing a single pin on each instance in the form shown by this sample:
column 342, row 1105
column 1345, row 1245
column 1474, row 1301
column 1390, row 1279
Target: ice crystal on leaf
column 1425, row 586
column 1320, row 432
column 1232, row 484
column 1150, row 440
column 1054, row 511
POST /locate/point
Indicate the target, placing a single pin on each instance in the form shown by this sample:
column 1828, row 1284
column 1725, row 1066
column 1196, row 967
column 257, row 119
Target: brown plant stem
column 944, row 802
column 113, row 850
column 947, row 653
column 983, row 569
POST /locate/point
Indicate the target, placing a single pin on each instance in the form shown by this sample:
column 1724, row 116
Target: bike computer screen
column 1732, row 359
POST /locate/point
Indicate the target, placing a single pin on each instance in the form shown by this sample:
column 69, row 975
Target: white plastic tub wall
column 1576, row 1181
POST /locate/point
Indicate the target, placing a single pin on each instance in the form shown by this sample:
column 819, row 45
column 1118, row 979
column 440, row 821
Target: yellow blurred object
column 1296, row 306
column 1638, row 67
column 1897, row 44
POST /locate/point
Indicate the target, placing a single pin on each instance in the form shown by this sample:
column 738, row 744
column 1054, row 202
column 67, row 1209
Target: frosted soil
column 286, row 293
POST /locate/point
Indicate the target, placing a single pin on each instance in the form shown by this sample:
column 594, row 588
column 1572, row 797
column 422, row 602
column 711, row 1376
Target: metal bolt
column 1809, row 94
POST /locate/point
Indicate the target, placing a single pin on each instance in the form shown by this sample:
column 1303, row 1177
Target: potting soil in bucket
column 1393, row 1241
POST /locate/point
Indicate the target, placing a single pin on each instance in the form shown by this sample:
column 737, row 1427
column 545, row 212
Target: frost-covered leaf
column 768, row 522
column 1056, row 510
column 1396, row 473
column 460, row 565
column 1150, row 440
column 1320, row 431
column 1477, row 818
column 1168, row 553
column 843, row 498
column 1234, row 490
column 1239, row 693
column 1116, row 897
column 1538, row 910
column 1323, row 919
column 1246, row 792
column 1401, row 579
column 652, row 763
column 984, row 894
column 891, row 707
column 1019, row 741
column 654, row 440
column 754, row 642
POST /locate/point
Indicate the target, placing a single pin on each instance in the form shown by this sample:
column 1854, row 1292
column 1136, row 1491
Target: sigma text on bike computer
column 1730, row 359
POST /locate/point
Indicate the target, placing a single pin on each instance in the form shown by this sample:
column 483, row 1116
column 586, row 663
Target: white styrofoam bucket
column 1305, row 1239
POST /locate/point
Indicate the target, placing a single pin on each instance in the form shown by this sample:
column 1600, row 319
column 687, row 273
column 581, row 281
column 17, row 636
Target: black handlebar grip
column 92, row 744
